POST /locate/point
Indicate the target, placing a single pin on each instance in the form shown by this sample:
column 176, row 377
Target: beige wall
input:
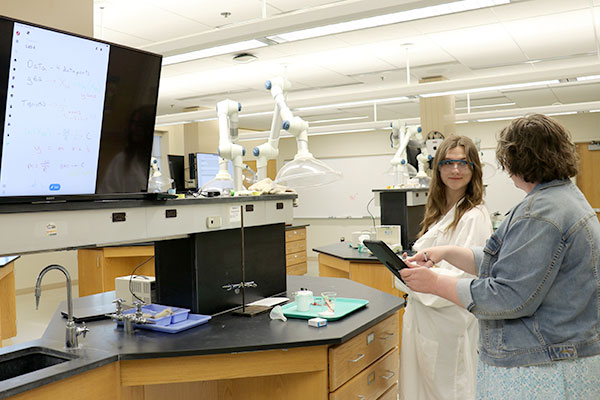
column 72, row 16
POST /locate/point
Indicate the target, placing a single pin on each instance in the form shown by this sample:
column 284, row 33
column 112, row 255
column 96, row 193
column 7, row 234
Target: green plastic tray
column 343, row 307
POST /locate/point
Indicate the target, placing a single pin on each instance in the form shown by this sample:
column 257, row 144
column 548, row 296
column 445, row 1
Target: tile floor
column 32, row 323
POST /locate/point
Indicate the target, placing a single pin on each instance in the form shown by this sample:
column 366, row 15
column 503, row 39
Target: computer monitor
column 207, row 166
column 76, row 114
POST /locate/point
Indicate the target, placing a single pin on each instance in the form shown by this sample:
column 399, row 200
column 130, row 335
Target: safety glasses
column 461, row 165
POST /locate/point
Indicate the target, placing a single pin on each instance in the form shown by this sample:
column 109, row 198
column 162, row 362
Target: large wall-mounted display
column 76, row 114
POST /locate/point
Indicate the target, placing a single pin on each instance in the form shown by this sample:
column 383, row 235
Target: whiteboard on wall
column 348, row 197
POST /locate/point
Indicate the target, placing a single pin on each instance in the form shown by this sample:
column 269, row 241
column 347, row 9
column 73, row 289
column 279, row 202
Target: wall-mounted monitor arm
column 227, row 111
column 270, row 149
column 401, row 135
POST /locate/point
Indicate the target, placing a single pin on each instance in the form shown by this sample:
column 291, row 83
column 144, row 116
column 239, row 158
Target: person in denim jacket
column 537, row 291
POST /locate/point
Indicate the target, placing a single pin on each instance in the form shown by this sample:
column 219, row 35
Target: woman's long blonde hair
column 436, row 200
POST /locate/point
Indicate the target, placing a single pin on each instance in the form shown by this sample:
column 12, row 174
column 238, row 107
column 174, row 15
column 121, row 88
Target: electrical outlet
column 213, row 222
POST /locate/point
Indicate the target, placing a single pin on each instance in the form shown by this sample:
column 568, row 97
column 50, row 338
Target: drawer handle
column 361, row 397
column 387, row 336
column 390, row 376
column 360, row 357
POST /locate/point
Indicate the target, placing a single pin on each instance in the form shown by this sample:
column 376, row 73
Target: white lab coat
column 438, row 358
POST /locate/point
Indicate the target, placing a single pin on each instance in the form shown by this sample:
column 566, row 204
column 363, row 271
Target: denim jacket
column 537, row 295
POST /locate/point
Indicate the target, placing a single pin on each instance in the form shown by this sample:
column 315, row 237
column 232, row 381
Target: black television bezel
column 44, row 199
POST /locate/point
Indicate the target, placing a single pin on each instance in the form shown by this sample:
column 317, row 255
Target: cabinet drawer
column 296, row 258
column 373, row 381
column 391, row 393
column 295, row 234
column 298, row 269
column 347, row 359
column 295, row 246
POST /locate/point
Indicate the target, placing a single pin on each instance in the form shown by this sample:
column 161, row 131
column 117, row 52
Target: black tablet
column 386, row 255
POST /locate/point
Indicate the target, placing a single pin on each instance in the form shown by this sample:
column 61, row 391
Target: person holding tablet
column 438, row 358
column 537, row 290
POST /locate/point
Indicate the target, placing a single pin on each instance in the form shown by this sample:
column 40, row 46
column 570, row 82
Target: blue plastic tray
column 191, row 321
column 343, row 307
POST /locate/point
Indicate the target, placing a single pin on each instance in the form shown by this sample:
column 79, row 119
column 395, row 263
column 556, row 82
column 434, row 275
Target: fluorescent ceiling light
column 488, row 106
column 355, row 103
column 563, row 113
column 493, row 88
column 255, row 114
column 587, row 78
column 381, row 20
column 595, row 110
column 342, row 131
column 213, row 51
column 464, row 121
column 337, row 119
column 496, row 119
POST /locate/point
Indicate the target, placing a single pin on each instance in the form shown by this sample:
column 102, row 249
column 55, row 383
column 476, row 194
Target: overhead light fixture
column 213, row 51
column 562, row 113
column 493, row 88
column 388, row 19
column 337, row 119
column 594, row 110
column 497, row 119
column 488, row 106
column 356, row 103
column 587, row 78
column 255, row 114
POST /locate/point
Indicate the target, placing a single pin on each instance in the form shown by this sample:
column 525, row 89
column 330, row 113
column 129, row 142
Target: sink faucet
column 72, row 330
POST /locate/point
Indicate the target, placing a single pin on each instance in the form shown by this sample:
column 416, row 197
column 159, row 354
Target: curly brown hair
column 436, row 199
column 537, row 148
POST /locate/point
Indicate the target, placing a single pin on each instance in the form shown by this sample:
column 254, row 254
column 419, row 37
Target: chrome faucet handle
column 119, row 305
column 138, row 308
column 83, row 330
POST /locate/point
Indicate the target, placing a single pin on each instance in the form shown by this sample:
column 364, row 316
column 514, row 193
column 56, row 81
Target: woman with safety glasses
column 439, row 338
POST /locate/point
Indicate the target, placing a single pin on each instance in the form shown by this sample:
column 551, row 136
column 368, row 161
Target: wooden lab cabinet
column 8, row 305
column 295, row 251
column 98, row 267
column 366, row 366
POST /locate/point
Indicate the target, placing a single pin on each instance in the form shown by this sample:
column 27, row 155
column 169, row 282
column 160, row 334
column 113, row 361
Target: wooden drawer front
column 373, row 381
column 298, row 269
column 295, row 246
column 296, row 258
column 347, row 359
column 295, row 234
column 391, row 393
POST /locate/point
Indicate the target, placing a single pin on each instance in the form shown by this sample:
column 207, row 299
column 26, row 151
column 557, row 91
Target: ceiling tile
column 374, row 35
column 534, row 8
column 158, row 24
column 578, row 94
column 461, row 20
column 208, row 12
column 554, row 35
column 482, row 45
column 532, row 98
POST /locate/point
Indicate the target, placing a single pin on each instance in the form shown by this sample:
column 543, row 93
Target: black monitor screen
column 177, row 170
column 76, row 114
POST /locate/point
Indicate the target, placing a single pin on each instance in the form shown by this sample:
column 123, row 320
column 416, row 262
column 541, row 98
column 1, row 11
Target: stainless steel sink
column 30, row 359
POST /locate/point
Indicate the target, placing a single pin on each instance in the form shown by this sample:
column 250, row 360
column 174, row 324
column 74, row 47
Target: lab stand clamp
column 129, row 320
column 236, row 287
